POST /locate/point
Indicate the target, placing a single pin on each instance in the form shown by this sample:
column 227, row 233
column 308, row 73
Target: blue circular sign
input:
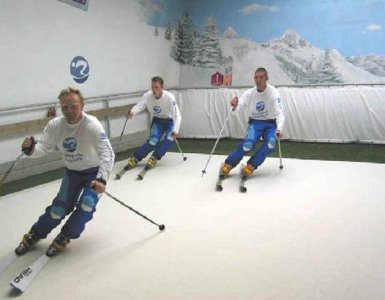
column 80, row 69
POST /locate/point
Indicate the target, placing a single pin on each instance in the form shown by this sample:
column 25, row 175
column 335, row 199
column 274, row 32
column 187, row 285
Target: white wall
column 39, row 38
column 340, row 114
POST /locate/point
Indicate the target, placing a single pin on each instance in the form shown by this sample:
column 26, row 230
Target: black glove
column 29, row 150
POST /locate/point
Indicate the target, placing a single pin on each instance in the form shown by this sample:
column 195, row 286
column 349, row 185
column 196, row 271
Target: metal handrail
column 110, row 97
column 86, row 100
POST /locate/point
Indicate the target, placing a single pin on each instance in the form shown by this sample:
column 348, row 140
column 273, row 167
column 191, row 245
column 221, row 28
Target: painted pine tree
column 182, row 49
column 208, row 53
column 197, row 48
column 168, row 32
column 328, row 72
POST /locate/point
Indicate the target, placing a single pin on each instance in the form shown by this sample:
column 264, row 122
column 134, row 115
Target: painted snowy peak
column 373, row 63
column 292, row 39
column 306, row 64
column 292, row 59
column 230, row 33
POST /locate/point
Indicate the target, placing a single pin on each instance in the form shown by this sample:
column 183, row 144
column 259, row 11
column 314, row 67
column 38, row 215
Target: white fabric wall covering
column 324, row 114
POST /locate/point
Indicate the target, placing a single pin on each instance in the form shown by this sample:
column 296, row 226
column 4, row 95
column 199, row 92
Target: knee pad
column 246, row 147
column 57, row 212
column 88, row 200
column 170, row 137
column 271, row 143
column 153, row 140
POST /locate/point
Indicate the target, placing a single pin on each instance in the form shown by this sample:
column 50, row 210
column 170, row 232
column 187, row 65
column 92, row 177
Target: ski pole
column 161, row 227
column 11, row 168
column 23, row 151
column 180, row 150
column 280, row 153
column 216, row 142
column 121, row 136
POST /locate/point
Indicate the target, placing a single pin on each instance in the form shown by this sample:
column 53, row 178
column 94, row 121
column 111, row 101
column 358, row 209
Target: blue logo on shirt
column 260, row 106
column 70, row 144
column 157, row 109
column 80, row 69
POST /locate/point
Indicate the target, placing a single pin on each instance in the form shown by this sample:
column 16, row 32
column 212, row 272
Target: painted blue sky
column 353, row 27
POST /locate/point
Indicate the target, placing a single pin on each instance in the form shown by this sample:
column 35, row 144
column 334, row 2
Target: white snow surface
column 314, row 230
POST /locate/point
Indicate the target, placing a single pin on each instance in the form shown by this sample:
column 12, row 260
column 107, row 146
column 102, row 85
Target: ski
column 143, row 172
column 219, row 186
column 7, row 260
column 242, row 187
column 120, row 174
column 221, row 177
column 26, row 277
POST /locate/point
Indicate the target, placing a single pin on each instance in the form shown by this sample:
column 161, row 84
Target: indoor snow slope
column 314, row 230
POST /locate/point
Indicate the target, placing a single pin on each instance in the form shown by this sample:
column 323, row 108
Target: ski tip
column 219, row 188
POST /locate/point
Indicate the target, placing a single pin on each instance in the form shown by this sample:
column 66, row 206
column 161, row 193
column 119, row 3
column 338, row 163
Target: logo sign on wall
column 80, row 69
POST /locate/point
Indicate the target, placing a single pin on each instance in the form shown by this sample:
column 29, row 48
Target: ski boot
column 28, row 240
column 247, row 171
column 151, row 162
column 58, row 244
column 225, row 170
column 131, row 163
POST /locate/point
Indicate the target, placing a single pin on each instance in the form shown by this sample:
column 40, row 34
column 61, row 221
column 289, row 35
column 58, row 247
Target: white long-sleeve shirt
column 83, row 145
column 264, row 105
column 163, row 108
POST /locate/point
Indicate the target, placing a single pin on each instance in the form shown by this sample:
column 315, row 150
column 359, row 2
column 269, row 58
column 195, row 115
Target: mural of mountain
column 374, row 64
column 290, row 59
column 306, row 64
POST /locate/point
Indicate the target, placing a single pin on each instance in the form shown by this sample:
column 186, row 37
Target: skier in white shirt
column 266, row 119
column 166, row 121
column 88, row 157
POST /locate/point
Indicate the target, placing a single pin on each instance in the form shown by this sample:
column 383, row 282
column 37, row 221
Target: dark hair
column 157, row 79
column 261, row 70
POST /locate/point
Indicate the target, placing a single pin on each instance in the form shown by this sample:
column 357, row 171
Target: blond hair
column 68, row 91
